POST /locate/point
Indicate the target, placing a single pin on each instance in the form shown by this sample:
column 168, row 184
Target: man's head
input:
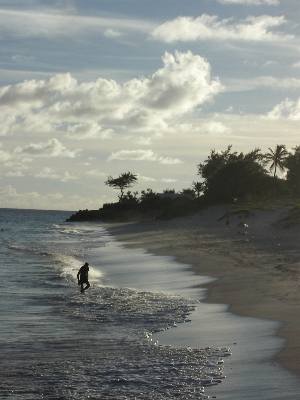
column 86, row 264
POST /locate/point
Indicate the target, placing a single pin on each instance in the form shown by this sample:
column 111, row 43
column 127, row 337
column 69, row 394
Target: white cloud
column 11, row 197
column 87, row 130
column 4, row 155
column 14, row 173
column 144, row 141
column 271, row 82
column 96, row 173
column 146, row 178
column 169, row 160
column 168, row 180
column 215, row 128
column 142, row 155
column 210, row 27
column 100, row 109
column 52, row 23
column 269, row 63
column 49, row 173
column 135, row 155
column 52, row 148
column 287, row 109
column 112, row 33
column 12, row 164
column 251, row 2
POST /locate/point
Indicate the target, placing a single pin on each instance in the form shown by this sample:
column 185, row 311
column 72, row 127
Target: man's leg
column 87, row 285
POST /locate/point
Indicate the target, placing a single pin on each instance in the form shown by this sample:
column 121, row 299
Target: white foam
column 69, row 266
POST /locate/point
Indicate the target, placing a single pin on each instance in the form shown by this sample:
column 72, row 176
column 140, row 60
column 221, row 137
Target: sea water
column 57, row 343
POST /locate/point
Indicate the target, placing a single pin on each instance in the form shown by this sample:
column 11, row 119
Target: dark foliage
column 292, row 164
column 237, row 179
column 228, row 175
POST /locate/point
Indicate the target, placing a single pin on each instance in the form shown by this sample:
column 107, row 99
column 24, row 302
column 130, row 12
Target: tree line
column 224, row 177
column 227, row 175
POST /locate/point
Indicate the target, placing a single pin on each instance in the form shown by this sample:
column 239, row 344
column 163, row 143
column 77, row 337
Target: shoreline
column 256, row 274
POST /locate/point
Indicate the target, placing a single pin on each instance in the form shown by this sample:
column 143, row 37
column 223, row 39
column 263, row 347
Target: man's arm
column 78, row 274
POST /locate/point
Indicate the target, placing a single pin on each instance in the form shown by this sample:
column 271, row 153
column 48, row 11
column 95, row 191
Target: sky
column 94, row 88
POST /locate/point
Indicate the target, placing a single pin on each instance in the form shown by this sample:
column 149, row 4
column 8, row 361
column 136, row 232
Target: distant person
column 83, row 277
column 243, row 228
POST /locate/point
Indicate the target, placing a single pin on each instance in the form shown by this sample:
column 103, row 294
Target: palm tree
column 277, row 157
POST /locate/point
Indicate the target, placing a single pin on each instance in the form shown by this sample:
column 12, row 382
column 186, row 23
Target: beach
column 257, row 271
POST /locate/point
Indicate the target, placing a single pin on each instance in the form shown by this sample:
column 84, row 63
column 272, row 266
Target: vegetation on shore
column 225, row 177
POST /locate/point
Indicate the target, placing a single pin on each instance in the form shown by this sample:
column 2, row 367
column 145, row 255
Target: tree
column 149, row 195
column 229, row 174
column 214, row 162
column 188, row 193
column 217, row 160
column 122, row 182
column 277, row 158
column 237, row 179
column 198, row 188
column 292, row 164
column 149, row 199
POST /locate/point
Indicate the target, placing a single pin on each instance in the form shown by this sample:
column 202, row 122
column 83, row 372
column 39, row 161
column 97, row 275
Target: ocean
column 57, row 343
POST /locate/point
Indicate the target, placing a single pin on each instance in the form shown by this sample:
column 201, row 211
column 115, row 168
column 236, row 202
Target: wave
column 70, row 232
column 128, row 362
column 66, row 265
column 69, row 266
column 110, row 370
column 28, row 249
column 130, row 308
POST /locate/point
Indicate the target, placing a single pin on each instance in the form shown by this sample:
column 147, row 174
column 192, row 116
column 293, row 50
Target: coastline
column 257, row 272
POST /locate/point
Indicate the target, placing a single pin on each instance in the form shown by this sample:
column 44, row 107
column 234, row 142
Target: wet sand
column 258, row 271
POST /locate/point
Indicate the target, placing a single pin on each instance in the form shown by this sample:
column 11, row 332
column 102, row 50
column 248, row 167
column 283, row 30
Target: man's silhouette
column 83, row 277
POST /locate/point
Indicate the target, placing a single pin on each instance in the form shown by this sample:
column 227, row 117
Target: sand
column 257, row 268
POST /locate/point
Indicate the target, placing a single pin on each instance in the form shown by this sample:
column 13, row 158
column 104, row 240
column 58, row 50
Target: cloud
column 146, row 178
column 143, row 155
column 271, row 82
column 14, row 173
column 210, row 27
column 12, row 164
column 150, row 179
column 287, row 109
column 53, row 23
column 135, row 155
column 168, row 180
column 49, row 173
column 96, row 173
column 147, row 106
column 215, row 128
column 12, row 198
column 144, row 141
column 169, row 160
column 4, row 155
column 86, row 130
column 52, row 148
column 112, row 33
column 251, row 2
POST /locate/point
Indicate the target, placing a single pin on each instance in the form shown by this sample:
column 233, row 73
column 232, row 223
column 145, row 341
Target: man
column 83, row 277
